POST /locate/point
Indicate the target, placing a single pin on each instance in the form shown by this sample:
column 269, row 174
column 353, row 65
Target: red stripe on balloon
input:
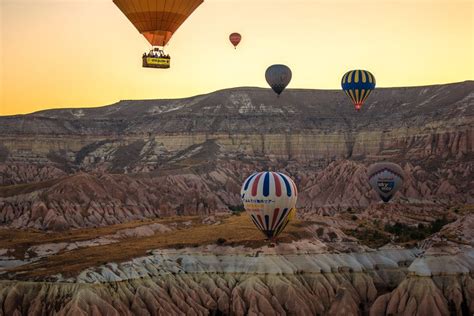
column 255, row 184
column 277, row 184
column 275, row 215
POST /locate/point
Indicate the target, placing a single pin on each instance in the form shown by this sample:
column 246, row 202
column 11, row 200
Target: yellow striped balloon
column 358, row 84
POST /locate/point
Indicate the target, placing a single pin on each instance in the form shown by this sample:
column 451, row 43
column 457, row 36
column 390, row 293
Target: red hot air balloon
column 235, row 39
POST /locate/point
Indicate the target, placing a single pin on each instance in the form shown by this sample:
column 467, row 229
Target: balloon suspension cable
column 272, row 239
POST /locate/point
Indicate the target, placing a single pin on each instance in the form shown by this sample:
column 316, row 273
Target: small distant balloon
column 270, row 199
column 386, row 178
column 358, row 84
column 235, row 39
column 278, row 77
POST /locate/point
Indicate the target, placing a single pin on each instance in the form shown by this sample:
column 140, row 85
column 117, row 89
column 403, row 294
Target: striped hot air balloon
column 270, row 198
column 358, row 84
column 386, row 178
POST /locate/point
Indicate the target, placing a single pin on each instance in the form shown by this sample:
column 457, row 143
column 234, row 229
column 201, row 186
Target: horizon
column 318, row 49
column 224, row 89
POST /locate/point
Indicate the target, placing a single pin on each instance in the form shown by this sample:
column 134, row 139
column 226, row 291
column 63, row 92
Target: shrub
column 332, row 235
column 236, row 208
column 320, row 231
column 438, row 224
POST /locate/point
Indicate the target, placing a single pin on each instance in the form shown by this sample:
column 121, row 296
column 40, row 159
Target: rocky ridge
column 176, row 282
column 91, row 200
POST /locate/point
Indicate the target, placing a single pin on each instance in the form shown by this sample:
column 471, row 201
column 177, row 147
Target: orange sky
column 81, row 53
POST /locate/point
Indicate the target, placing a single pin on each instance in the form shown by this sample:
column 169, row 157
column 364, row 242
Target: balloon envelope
column 278, row 77
column 386, row 178
column 235, row 39
column 358, row 84
column 157, row 20
column 270, row 199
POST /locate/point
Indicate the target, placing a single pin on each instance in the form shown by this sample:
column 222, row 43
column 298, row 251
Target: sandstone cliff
column 302, row 124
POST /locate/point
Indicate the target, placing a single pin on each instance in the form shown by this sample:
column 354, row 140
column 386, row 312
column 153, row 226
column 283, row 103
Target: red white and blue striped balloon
column 269, row 198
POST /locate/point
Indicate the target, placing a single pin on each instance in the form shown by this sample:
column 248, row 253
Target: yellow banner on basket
column 157, row 61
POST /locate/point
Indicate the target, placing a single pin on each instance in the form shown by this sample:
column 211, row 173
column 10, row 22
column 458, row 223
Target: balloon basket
column 272, row 242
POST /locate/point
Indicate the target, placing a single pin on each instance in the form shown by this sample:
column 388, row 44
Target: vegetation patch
column 236, row 209
column 371, row 237
column 405, row 233
column 375, row 236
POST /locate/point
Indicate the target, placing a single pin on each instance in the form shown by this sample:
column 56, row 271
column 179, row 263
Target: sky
column 85, row 53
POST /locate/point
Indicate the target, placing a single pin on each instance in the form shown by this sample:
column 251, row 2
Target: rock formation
column 267, row 284
column 71, row 180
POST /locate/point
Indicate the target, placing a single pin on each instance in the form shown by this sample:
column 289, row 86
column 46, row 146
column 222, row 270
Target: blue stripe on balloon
column 267, row 222
column 287, row 184
column 246, row 186
column 358, row 86
column 266, row 184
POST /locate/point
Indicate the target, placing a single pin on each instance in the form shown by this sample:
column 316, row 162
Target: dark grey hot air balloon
column 386, row 178
column 278, row 77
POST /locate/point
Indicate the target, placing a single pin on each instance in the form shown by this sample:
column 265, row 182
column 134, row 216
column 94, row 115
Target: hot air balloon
column 270, row 198
column 235, row 39
column 358, row 84
column 278, row 77
column 386, row 178
column 157, row 21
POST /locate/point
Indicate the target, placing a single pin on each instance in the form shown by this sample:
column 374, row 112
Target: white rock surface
column 170, row 262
